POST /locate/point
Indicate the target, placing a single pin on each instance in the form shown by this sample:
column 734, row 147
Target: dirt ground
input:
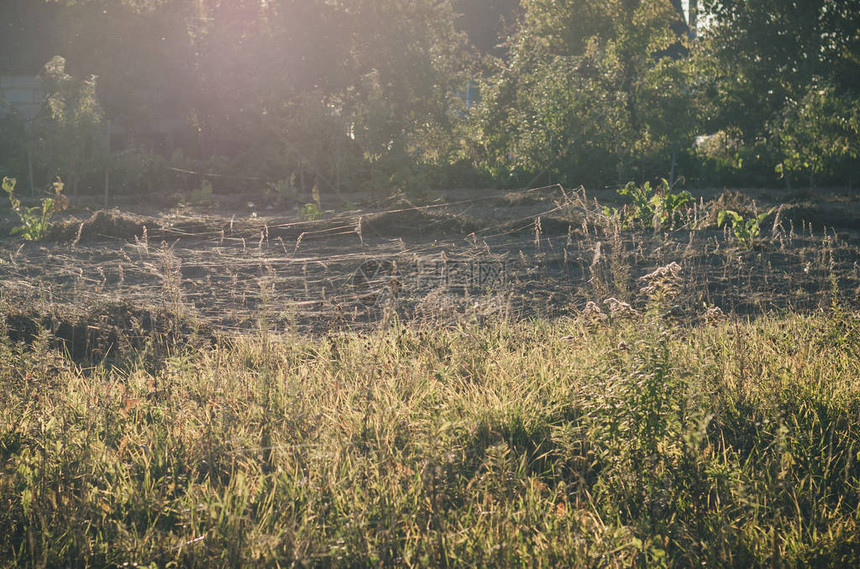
column 459, row 257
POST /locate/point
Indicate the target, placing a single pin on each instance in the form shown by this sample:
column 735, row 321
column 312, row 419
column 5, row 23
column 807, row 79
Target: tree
column 23, row 50
column 408, row 61
column 486, row 22
column 588, row 91
column 819, row 133
column 760, row 54
column 312, row 85
column 139, row 49
column 68, row 133
column 766, row 64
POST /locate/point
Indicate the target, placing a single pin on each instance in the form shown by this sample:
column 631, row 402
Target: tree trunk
column 30, row 171
column 107, row 167
column 693, row 18
column 672, row 170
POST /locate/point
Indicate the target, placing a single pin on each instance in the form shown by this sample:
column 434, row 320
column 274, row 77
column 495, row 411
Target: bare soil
column 467, row 256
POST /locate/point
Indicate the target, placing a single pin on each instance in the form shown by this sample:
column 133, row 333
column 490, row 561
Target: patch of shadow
column 819, row 216
column 103, row 224
column 111, row 330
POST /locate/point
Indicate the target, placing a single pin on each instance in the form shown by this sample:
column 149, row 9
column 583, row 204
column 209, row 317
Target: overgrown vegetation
column 424, row 381
column 747, row 230
column 36, row 220
column 630, row 443
column 651, row 208
column 649, row 427
column 400, row 98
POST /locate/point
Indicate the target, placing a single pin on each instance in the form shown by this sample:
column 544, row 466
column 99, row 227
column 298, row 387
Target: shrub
column 746, row 230
column 35, row 220
column 652, row 207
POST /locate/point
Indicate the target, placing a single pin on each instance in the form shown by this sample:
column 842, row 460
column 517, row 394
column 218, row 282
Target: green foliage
column 656, row 208
column 68, row 133
column 819, row 132
column 12, row 153
column 36, row 220
column 310, row 212
column 747, row 230
column 201, row 195
column 787, row 88
column 357, row 82
column 369, row 93
column 137, row 169
column 589, row 94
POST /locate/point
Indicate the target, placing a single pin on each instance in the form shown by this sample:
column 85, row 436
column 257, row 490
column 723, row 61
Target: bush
column 35, row 220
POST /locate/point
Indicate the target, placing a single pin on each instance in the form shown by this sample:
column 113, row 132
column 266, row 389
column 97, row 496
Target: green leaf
column 627, row 190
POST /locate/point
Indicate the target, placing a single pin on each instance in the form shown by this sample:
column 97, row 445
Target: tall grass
column 632, row 443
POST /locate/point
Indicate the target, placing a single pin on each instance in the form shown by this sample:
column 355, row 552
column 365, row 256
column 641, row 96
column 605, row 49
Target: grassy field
column 614, row 444
column 627, row 422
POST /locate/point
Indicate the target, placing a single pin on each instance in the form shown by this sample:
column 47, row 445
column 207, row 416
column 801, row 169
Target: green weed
column 656, row 208
column 310, row 212
column 201, row 196
column 36, row 220
column 746, row 230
